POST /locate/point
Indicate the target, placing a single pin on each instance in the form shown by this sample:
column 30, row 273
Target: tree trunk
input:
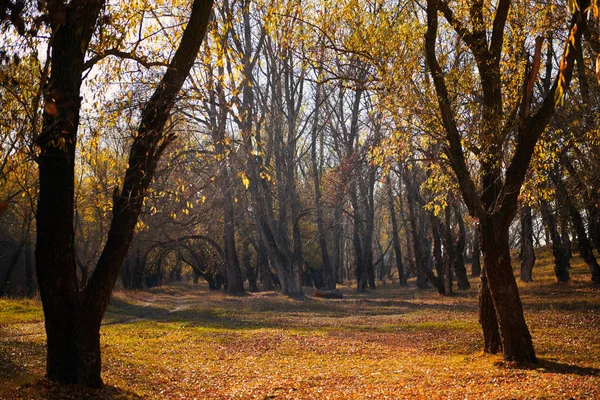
column 262, row 265
column 527, row 252
column 395, row 235
column 583, row 243
column 235, row 283
column 514, row 334
column 329, row 280
column 449, row 251
column 476, row 255
column 251, row 270
column 492, row 343
column 338, row 239
column 561, row 259
column 459, row 258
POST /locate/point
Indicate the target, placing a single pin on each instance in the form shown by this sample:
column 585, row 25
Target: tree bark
column 476, row 255
column 492, row 343
column 527, row 252
column 395, row 235
column 561, row 258
column 459, row 258
column 514, row 334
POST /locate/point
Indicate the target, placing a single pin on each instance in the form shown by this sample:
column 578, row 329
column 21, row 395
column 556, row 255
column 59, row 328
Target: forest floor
column 184, row 342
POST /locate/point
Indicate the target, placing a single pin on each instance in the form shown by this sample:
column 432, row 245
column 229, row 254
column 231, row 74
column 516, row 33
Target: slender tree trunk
column 449, row 252
column 395, row 235
column 329, row 280
column 235, row 282
column 583, row 243
column 338, row 240
column 527, row 252
column 437, row 245
column 561, row 258
column 476, row 256
column 459, row 258
column 424, row 274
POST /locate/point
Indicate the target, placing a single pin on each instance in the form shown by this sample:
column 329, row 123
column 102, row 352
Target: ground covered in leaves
column 185, row 342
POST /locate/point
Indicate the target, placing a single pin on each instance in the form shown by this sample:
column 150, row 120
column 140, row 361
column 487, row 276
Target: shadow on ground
column 46, row 390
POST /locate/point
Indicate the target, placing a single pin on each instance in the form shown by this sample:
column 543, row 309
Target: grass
column 184, row 342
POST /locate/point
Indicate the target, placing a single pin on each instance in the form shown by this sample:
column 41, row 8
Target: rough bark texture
column 514, row 334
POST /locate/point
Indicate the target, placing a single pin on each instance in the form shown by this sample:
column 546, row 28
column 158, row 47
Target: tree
column 73, row 316
column 494, row 203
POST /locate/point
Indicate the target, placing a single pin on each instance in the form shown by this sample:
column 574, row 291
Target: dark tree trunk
column 476, row 256
column 583, row 243
column 409, row 248
column 338, row 240
column 329, row 280
column 561, row 258
column 459, row 258
column 251, row 270
column 514, row 334
column 395, row 235
column 235, row 282
column 262, row 264
column 527, row 252
column 421, row 249
column 449, row 251
column 437, row 245
column 492, row 343
column 564, row 232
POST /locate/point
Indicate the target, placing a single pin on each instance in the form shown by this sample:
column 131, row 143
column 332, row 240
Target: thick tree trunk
column 527, row 252
column 514, row 333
